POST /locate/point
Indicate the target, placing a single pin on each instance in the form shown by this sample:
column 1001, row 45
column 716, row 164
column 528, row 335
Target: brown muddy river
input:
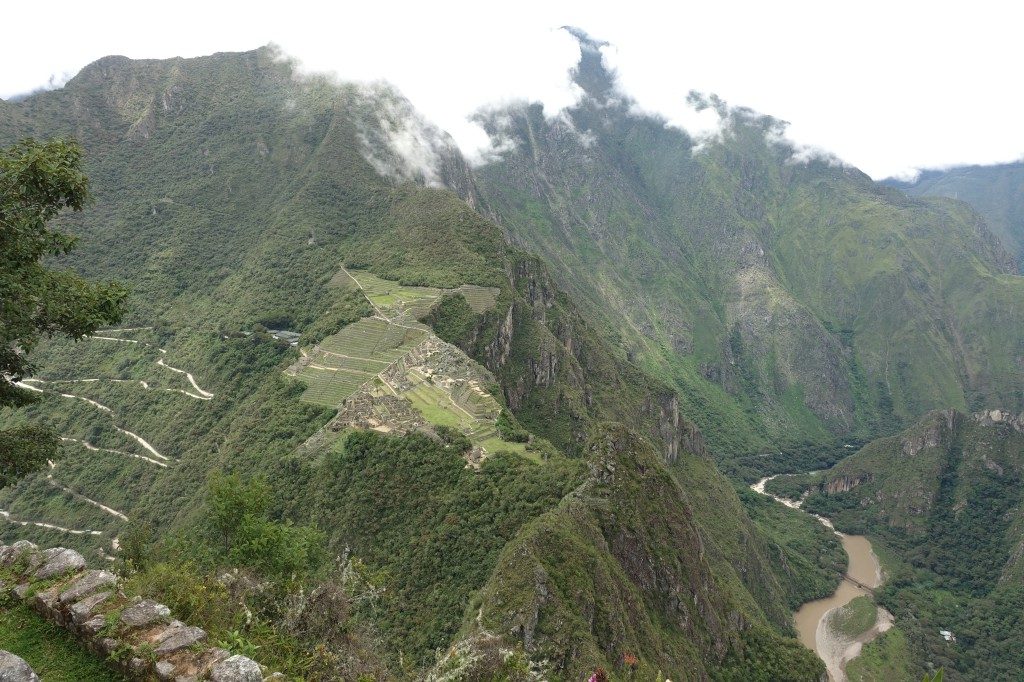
column 810, row 619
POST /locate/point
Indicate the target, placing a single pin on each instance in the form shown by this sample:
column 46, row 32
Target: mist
column 889, row 89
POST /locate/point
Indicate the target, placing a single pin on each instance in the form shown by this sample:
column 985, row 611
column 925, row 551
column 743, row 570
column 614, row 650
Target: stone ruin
column 138, row 636
column 384, row 413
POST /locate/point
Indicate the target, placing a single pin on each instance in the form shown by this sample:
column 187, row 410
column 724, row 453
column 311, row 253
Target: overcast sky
column 887, row 86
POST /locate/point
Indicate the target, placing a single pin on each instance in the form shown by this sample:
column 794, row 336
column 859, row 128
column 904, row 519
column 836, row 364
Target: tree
column 38, row 180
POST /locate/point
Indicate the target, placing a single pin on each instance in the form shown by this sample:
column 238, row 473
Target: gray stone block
column 60, row 563
column 176, row 639
column 144, row 613
column 237, row 669
column 87, row 583
column 82, row 611
column 14, row 669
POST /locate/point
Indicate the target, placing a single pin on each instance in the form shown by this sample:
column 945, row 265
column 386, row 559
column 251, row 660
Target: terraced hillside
column 393, row 355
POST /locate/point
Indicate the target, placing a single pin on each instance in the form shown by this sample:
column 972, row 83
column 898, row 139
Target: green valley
column 793, row 304
column 338, row 385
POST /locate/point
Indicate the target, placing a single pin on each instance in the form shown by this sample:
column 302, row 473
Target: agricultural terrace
column 340, row 364
column 392, row 355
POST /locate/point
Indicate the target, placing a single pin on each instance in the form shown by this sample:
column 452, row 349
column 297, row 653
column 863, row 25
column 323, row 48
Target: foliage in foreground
column 37, row 181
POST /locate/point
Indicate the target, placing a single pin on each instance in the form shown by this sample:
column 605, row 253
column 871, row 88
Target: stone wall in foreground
column 138, row 636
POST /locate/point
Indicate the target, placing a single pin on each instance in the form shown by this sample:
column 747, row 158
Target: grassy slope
column 788, row 303
column 996, row 192
column 53, row 655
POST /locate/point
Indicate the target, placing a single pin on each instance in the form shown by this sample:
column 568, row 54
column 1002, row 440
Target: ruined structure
column 138, row 636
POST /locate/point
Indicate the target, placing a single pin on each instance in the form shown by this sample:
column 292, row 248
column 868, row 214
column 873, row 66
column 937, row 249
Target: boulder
column 10, row 554
column 60, row 563
column 237, row 669
column 93, row 626
column 164, row 670
column 47, row 599
column 14, row 669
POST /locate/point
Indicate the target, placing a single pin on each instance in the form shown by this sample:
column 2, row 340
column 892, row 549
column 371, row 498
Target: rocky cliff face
column 547, row 353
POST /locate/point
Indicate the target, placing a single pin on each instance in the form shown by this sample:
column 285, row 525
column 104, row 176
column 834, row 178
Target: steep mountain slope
column 230, row 193
column 789, row 302
column 589, row 584
column 945, row 496
column 996, row 192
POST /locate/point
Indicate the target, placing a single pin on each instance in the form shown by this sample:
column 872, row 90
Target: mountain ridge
column 228, row 195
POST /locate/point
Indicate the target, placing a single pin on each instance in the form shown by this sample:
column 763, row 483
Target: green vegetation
column 593, row 580
column 855, row 618
column 51, row 652
column 944, row 498
column 38, row 181
column 996, row 192
column 887, row 659
column 793, row 486
column 435, row 531
column 24, row 450
column 812, row 558
column 790, row 304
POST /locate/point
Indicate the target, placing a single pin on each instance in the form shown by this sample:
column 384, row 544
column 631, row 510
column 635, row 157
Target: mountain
column 346, row 417
column 944, row 498
column 996, row 192
column 791, row 301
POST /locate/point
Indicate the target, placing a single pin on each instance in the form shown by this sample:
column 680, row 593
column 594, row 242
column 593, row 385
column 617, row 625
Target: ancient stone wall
column 138, row 636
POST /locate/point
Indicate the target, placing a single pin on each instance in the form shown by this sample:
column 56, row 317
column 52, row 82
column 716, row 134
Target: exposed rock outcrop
column 844, row 484
column 989, row 417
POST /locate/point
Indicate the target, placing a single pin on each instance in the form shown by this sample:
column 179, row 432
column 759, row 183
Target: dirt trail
column 89, row 446
column 79, row 496
column 206, row 395
column 144, row 384
column 136, row 437
column 40, row 524
column 203, row 395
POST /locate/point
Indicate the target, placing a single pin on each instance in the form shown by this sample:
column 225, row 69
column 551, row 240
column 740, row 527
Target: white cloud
column 886, row 86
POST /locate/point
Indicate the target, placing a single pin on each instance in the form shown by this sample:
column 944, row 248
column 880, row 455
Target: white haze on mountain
column 888, row 87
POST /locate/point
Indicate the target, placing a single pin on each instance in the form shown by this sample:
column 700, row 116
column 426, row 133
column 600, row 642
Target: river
column 812, row 623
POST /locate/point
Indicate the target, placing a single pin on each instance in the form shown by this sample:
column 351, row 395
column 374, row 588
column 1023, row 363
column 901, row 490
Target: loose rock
column 237, row 669
column 14, row 669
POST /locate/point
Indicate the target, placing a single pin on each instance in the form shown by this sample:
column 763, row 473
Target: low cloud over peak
column 889, row 88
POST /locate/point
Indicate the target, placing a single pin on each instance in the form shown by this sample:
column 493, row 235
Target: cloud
column 889, row 87
column 397, row 141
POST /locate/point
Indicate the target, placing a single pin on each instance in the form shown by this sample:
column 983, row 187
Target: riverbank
column 812, row 620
